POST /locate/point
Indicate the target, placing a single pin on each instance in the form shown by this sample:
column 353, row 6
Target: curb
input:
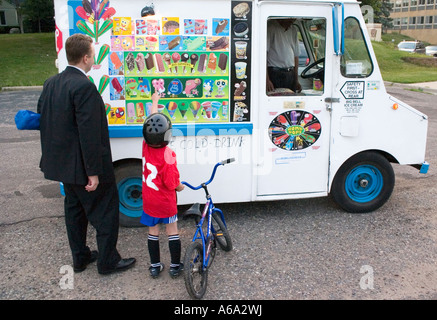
column 410, row 86
column 31, row 88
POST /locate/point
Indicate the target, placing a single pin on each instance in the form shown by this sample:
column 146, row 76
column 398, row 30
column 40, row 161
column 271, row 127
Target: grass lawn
column 27, row 59
column 394, row 69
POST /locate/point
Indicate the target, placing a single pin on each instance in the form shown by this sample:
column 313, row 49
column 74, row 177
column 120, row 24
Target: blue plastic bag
column 27, row 120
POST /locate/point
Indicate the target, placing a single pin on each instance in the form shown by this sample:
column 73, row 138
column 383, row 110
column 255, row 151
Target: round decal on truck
column 294, row 130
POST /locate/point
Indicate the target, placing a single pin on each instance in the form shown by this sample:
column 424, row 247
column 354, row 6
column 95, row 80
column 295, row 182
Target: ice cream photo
column 167, row 58
column 171, row 108
column 195, row 107
column 176, row 57
column 193, row 60
column 170, row 25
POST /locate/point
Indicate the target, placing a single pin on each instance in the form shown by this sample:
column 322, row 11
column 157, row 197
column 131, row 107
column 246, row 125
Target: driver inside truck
column 282, row 56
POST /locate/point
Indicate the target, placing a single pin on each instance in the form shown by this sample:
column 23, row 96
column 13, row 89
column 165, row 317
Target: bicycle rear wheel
column 221, row 233
column 196, row 279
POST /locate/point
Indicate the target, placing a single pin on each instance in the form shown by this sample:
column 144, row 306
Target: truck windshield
column 407, row 45
column 315, row 30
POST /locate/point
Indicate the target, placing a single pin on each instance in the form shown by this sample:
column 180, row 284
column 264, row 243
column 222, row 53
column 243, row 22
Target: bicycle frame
column 207, row 212
column 201, row 235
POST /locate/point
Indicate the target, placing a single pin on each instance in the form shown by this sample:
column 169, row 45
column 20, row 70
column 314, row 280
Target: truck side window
column 283, row 50
column 356, row 61
column 295, row 56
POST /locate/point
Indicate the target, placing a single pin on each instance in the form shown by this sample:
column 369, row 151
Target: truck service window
column 356, row 61
column 295, row 51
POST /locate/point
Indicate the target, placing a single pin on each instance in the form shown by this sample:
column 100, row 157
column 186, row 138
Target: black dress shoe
column 93, row 257
column 122, row 265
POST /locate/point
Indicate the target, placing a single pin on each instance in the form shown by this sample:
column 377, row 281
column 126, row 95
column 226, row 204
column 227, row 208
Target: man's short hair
column 77, row 46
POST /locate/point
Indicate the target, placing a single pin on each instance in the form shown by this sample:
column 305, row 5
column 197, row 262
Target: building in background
column 416, row 19
column 8, row 16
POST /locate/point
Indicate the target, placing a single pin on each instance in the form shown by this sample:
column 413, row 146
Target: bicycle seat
column 193, row 211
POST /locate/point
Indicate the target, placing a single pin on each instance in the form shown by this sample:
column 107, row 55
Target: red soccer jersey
column 160, row 179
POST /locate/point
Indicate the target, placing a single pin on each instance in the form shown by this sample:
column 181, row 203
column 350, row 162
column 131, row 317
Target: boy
column 160, row 183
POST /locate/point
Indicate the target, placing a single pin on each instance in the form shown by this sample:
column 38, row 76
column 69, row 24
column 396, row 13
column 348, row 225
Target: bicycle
column 200, row 254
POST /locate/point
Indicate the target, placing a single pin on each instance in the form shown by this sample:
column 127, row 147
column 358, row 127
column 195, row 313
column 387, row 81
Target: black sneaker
column 174, row 272
column 155, row 271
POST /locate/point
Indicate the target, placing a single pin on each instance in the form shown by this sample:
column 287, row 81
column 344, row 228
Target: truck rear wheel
column 128, row 177
column 363, row 183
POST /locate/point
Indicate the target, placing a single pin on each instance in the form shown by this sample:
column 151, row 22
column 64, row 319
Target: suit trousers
column 282, row 78
column 101, row 209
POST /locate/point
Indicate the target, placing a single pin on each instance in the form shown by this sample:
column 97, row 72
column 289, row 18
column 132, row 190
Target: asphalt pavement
column 306, row 249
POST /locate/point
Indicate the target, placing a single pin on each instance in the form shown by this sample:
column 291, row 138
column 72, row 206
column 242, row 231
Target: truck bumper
column 423, row 168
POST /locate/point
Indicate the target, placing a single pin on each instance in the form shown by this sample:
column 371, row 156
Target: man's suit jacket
column 74, row 130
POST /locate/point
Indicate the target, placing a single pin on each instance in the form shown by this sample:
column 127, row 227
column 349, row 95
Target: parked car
column 431, row 51
column 412, row 46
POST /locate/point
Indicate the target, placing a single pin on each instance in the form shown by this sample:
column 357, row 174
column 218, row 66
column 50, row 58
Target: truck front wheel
column 128, row 177
column 363, row 183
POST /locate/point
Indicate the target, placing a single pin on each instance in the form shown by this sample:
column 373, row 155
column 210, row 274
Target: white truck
column 207, row 59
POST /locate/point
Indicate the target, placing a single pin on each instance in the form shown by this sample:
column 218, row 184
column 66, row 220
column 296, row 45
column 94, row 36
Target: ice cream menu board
column 193, row 84
column 241, row 60
column 188, row 68
column 187, row 61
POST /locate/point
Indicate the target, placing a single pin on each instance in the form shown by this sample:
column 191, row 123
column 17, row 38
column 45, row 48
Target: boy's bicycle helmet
column 157, row 130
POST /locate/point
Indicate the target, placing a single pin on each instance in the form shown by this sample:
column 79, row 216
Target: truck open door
column 294, row 137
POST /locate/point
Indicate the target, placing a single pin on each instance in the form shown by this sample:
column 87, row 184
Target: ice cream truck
column 337, row 136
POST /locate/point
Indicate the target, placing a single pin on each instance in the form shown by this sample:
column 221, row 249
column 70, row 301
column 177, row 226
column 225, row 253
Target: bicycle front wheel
column 196, row 279
column 221, row 233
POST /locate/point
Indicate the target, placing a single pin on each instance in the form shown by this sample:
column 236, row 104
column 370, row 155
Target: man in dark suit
column 76, row 151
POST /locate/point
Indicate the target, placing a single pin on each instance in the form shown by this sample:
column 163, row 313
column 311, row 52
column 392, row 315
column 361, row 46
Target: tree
column 383, row 15
column 381, row 11
column 39, row 12
column 369, row 13
column 375, row 4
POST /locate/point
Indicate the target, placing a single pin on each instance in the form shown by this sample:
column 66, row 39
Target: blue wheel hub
column 130, row 194
column 364, row 183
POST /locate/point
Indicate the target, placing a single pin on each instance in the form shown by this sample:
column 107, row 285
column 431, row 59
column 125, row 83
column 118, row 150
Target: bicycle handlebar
column 227, row 161
column 221, row 163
